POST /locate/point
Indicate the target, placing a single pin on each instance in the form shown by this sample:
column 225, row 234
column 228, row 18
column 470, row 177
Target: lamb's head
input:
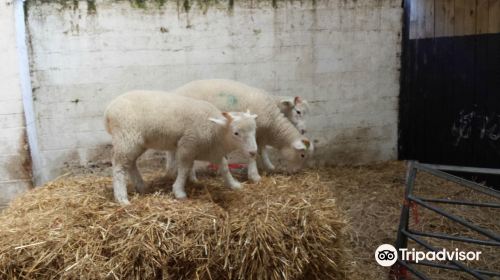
column 239, row 131
column 297, row 153
column 295, row 110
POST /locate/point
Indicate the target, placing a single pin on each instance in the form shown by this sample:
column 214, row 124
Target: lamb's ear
column 306, row 104
column 249, row 115
column 286, row 103
column 219, row 121
column 297, row 100
column 228, row 117
column 299, row 145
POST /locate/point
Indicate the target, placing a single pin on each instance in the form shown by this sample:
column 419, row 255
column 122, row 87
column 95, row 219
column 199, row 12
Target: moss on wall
column 91, row 8
column 65, row 4
column 186, row 5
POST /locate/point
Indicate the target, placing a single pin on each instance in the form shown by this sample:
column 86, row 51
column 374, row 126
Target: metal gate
column 405, row 232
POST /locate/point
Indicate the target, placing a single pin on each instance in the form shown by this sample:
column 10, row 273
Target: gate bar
column 413, row 270
column 461, row 202
column 455, row 218
column 466, row 169
column 411, row 174
column 460, row 265
column 455, row 238
column 466, row 183
column 445, row 266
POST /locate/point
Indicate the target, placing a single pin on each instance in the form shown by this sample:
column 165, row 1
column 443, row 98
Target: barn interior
column 403, row 119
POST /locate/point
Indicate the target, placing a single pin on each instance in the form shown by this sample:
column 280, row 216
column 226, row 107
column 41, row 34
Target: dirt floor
column 371, row 197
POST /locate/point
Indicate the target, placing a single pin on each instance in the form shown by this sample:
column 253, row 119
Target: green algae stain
column 91, row 8
column 160, row 2
column 186, row 5
column 141, row 4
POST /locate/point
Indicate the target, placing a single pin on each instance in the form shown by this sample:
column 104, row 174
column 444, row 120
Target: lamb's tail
column 110, row 114
column 107, row 124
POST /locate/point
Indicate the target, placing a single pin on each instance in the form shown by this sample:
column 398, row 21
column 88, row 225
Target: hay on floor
column 371, row 197
column 282, row 228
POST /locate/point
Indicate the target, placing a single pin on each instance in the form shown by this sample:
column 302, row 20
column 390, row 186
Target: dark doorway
column 450, row 85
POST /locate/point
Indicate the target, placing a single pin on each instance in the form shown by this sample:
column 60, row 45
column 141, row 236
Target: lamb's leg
column 265, row 159
column 170, row 163
column 184, row 162
column 192, row 175
column 253, row 172
column 180, row 181
column 136, row 178
column 124, row 157
column 120, row 183
column 226, row 174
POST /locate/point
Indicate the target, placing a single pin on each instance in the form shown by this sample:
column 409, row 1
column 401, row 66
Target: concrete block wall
column 341, row 55
column 15, row 161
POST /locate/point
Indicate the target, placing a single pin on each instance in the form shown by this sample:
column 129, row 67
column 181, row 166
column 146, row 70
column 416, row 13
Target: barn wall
column 15, row 163
column 342, row 55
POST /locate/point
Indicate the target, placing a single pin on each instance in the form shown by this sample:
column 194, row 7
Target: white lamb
column 295, row 109
column 273, row 129
column 195, row 129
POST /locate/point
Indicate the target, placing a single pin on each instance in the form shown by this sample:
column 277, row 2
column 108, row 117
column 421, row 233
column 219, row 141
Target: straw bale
column 282, row 228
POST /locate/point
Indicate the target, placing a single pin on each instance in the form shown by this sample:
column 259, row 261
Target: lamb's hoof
column 124, row 202
column 255, row 178
column 180, row 196
column 194, row 180
column 235, row 185
column 270, row 168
